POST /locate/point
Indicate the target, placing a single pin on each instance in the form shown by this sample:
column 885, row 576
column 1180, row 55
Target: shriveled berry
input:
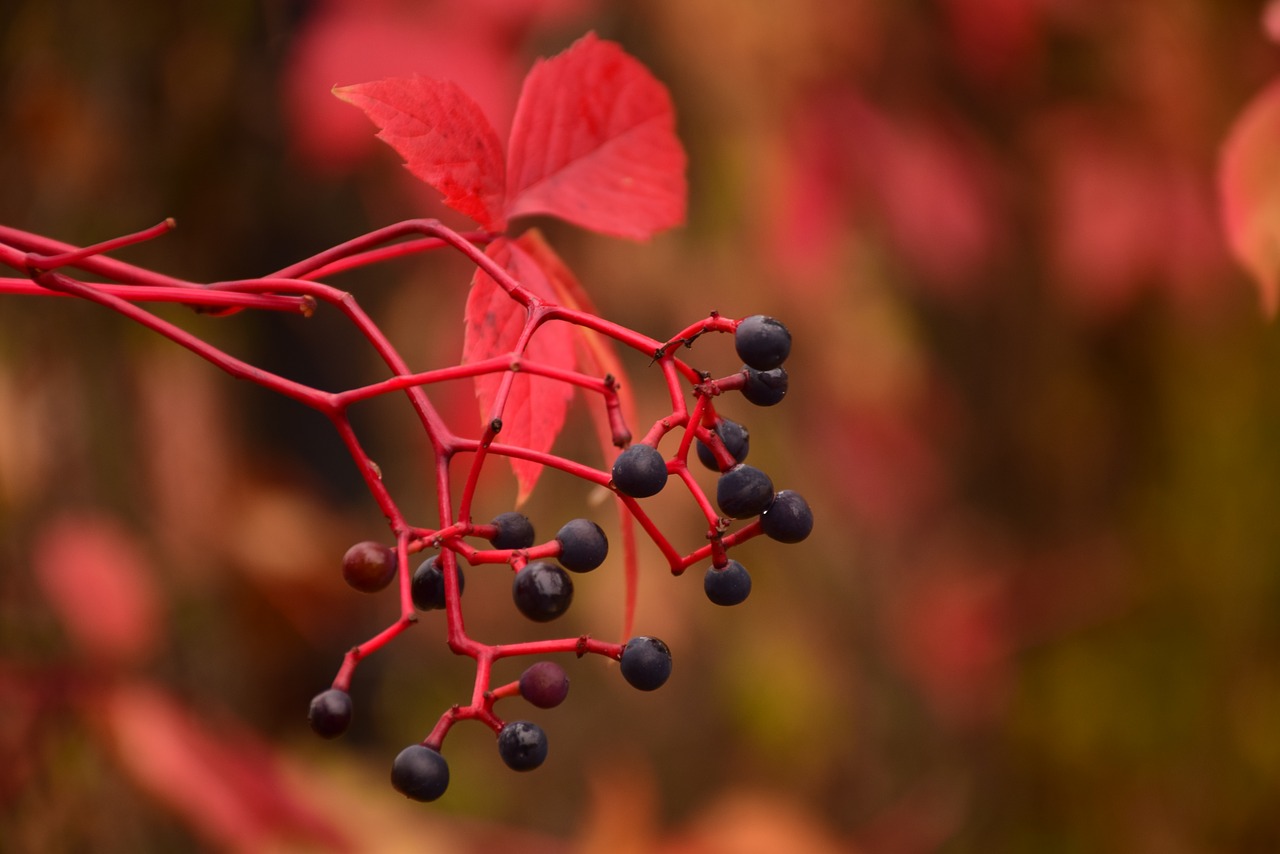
column 583, row 545
column 427, row 585
column 522, row 745
column 330, row 713
column 743, row 491
column 736, row 441
column 640, row 471
column 646, row 663
column 515, row 531
column 545, row 684
column 420, row 773
column 765, row 388
column 788, row 519
column 762, row 342
column 728, row 585
column 369, row 566
column 542, row 591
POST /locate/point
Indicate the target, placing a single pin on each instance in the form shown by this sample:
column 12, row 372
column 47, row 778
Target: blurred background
column 1033, row 404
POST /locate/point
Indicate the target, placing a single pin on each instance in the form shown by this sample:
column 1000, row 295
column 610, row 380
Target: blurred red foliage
column 98, row 580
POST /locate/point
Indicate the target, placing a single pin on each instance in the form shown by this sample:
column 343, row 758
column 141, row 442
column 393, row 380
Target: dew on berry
column 583, row 545
column 645, row 663
column 640, row 471
column 542, row 591
column 762, row 342
column 420, row 773
column 522, row 745
column 330, row 713
column 727, row 585
column 369, row 566
column 788, row 519
column 743, row 491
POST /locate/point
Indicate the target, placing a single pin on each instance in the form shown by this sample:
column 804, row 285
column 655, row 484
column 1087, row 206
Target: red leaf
column 476, row 43
column 444, row 138
column 593, row 142
column 1250, row 186
column 373, row 39
column 535, row 408
column 600, row 358
column 97, row 578
column 222, row 780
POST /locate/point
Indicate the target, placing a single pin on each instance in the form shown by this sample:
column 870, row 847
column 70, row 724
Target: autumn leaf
column 97, row 579
column 598, row 354
column 593, row 142
column 1249, row 184
column 444, row 138
column 597, row 357
column 221, row 779
column 535, row 408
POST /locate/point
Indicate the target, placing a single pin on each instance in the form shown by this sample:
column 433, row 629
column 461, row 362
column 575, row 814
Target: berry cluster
column 542, row 572
column 530, row 342
column 542, row 583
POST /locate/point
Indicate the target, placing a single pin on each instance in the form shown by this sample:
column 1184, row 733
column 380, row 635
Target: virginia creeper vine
column 542, row 590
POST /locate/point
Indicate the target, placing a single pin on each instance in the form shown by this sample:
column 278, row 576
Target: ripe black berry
column 583, row 545
column 736, row 441
column 420, row 773
column 542, row 591
column 427, row 585
column 743, row 491
column 330, row 713
column 522, row 745
column 762, row 342
column 640, row 471
column 369, row 566
column 646, row 663
column 544, row 684
column 730, row 585
column 765, row 388
column 515, row 531
column 788, row 519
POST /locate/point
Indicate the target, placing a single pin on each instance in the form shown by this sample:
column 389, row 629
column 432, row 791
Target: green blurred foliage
column 1032, row 405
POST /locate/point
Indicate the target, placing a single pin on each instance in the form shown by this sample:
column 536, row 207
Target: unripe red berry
column 369, row 566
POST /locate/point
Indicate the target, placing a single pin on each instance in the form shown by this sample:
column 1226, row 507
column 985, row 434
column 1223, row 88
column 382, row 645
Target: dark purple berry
column 640, row 471
column 788, row 519
column 729, row 585
column 646, row 663
column 369, row 566
column 515, row 531
column 762, row 342
column 736, row 441
column 420, row 773
column 330, row 713
column 542, row 591
column 522, row 745
column 427, row 585
column 544, row 684
column 743, row 491
column 765, row 388
column 583, row 545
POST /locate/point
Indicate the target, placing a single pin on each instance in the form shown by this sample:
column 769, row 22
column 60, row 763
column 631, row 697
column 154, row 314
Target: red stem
column 296, row 288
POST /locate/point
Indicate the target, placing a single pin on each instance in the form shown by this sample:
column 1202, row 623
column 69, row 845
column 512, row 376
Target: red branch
column 43, row 264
